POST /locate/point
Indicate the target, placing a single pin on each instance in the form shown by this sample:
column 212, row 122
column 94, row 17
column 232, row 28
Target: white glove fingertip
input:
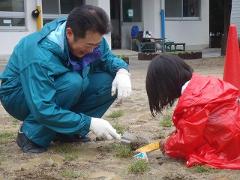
column 120, row 94
column 129, row 93
column 114, row 134
column 125, row 94
column 109, row 137
column 113, row 92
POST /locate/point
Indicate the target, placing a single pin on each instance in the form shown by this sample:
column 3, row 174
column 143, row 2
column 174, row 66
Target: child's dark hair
column 165, row 77
column 88, row 18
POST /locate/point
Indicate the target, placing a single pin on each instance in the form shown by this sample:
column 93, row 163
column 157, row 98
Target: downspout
column 39, row 18
column 162, row 14
column 162, row 17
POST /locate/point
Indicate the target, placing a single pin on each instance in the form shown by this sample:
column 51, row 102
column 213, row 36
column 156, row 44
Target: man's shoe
column 71, row 138
column 27, row 145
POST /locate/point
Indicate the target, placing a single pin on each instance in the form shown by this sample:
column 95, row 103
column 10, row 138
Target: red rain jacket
column 207, row 120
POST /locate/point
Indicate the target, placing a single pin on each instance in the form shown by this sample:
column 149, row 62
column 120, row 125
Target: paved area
column 211, row 52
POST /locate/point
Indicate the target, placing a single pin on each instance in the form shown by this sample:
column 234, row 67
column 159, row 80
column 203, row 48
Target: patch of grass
column 2, row 154
column 115, row 114
column 15, row 121
column 6, row 137
column 70, row 152
column 166, row 120
column 123, row 151
column 138, row 167
column 202, row 169
column 73, row 174
column 120, row 128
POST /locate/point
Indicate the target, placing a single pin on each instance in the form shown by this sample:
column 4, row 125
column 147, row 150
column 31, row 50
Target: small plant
column 69, row 151
column 116, row 114
column 6, row 137
column 120, row 128
column 139, row 167
column 73, row 174
column 123, row 151
column 166, row 121
column 201, row 169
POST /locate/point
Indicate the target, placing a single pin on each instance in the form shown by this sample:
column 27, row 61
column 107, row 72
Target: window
column 53, row 9
column 12, row 14
column 183, row 9
column 132, row 10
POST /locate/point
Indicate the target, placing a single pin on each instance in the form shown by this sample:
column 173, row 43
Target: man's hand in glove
column 122, row 84
column 103, row 129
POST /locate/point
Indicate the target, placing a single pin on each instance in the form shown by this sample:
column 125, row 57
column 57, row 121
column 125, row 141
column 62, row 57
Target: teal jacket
column 33, row 65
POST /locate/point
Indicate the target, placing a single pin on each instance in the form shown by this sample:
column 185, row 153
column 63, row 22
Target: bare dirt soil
column 98, row 159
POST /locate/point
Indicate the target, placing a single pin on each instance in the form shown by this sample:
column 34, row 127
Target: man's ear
column 69, row 33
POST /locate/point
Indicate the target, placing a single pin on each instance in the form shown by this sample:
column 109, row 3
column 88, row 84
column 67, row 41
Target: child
column 206, row 117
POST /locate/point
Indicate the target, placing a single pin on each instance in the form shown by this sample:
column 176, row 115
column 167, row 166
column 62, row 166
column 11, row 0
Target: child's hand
column 171, row 133
column 161, row 144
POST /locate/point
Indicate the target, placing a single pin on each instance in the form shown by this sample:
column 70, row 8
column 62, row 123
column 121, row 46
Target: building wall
column 8, row 39
column 235, row 14
column 194, row 33
column 151, row 17
column 178, row 31
column 150, row 22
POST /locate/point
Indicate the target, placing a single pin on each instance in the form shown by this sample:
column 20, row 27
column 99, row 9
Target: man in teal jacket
column 61, row 80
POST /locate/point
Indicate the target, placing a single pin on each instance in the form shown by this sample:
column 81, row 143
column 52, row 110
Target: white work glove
column 122, row 84
column 103, row 129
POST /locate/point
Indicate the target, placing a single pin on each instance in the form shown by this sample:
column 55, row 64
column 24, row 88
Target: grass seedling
column 166, row 120
column 120, row 128
column 202, row 169
column 6, row 137
column 139, row 167
column 73, row 174
column 68, row 151
column 123, row 151
column 115, row 114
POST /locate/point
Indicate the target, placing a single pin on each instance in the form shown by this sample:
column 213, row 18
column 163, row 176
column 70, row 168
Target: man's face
column 82, row 46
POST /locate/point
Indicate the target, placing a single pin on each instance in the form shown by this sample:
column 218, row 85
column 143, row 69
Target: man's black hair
column 165, row 77
column 88, row 18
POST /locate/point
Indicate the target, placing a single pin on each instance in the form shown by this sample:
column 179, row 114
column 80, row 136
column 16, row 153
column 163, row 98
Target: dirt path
column 99, row 160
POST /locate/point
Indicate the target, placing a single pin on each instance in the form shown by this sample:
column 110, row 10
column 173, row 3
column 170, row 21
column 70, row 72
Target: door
column 216, row 23
column 115, row 15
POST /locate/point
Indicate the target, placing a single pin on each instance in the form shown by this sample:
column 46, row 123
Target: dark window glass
column 12, row 5
column 50, row 6
column 182, row 8
column 11, row 22
column 132, row 10
column 68, row 5
column 173, row 8
column 45, row 21
column 191, row 8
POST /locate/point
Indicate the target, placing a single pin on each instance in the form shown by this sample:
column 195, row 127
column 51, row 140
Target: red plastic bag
column 207, row 124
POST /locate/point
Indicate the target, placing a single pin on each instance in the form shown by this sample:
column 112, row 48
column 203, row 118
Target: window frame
column 15, row 14
column 182, row 18
column 51, row 17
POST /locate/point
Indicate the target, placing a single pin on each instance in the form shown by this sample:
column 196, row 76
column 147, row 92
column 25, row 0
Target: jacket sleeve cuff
column 85, row 129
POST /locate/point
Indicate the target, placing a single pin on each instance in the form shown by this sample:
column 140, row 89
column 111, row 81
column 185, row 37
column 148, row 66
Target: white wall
column 8, row 39
column 235, row 14
column 151, row 17
column 150, row 22
column 194, row 33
